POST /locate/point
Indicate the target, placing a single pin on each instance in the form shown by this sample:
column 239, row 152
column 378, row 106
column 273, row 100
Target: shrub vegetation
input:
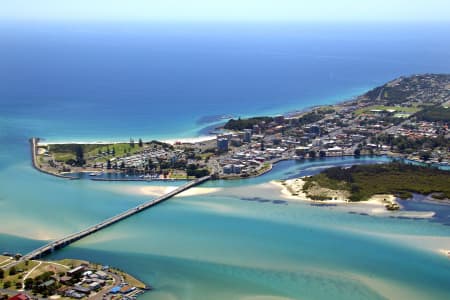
column 364, row 181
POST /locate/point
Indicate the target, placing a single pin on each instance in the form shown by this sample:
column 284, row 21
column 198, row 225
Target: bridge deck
column 60, row 243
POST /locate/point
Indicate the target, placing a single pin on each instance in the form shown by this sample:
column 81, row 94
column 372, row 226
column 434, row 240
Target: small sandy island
column 382, row 204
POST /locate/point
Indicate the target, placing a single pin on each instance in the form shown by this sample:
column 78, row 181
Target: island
column 405, row 118
column 66, row 278
column 378, row 181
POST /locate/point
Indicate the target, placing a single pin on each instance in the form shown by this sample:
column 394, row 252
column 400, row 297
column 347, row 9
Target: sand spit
column 292, row 189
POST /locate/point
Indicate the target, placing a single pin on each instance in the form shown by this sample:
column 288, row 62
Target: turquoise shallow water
column 99, row 82
column 220, row 246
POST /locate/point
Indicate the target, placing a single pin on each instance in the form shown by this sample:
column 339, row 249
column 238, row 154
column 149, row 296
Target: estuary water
column 227, row 239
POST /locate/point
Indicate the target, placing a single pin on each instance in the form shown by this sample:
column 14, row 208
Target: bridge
column 67, row 240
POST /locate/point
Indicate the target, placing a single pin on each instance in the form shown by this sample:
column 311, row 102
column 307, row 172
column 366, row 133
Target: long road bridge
column 67, row 240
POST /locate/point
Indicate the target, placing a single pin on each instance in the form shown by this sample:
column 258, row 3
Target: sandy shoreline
column 375, row 206
column 196, row 139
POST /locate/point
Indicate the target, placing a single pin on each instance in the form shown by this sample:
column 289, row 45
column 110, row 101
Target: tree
column 357, row 152
column 425, row 155
column 140, row 143
column 29, row 283
column 7, row 284
column 108, row 164
column 2, row 274
column 12, row 271
column 79, row 155
column 131, row 142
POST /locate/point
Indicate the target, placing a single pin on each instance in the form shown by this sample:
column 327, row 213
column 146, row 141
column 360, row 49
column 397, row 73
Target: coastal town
column 406, row 118
column 65, row 279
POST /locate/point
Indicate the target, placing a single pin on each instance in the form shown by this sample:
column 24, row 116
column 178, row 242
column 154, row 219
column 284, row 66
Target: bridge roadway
column 67, row 240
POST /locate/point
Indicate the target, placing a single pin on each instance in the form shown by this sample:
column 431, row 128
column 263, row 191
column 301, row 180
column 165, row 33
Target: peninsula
column 67, row 278
column 407, row 118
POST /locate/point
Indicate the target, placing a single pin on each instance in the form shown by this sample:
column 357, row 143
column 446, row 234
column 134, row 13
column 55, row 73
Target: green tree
column 7, row 284
column 140, row 143
column 2, row 274
column 12, row 271
column 79, row 153
column 425, row 155
column 29, row 283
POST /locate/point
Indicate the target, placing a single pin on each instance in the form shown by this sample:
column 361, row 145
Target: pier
column 67, row 240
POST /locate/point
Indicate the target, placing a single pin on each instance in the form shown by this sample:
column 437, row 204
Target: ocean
column 109, row 82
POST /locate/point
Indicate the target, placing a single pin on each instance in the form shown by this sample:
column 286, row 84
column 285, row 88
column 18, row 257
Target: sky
column 226, row 10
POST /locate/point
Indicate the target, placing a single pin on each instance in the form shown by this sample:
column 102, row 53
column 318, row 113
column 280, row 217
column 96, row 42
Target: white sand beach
column 292, row 190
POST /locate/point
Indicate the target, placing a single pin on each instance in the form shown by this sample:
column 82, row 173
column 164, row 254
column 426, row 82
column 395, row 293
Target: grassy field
column 398, row 179
column 21, row 269
column 410, row 110
column 119, row 149
column 4, row 259
column 99, row 152
column 62, row 157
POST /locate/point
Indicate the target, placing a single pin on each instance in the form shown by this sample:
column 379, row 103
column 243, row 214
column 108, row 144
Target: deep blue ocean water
column 90, row 82
column 112, row 81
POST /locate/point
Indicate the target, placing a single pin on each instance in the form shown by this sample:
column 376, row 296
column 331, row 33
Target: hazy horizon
column 230, row 10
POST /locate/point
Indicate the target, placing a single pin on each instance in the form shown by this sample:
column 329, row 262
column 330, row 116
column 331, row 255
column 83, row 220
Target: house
column 62, row 290
column 20, row 296
column 76, row 271
column 105, row 268
column 65, row 279
column 73, row 294
column 81, row 289
column 94, row 286
column 126, row 289
column 47, row 283
column 101, row 274
column 115, row 289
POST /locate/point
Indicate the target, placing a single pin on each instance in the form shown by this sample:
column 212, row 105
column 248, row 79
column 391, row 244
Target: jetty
column 69, row 239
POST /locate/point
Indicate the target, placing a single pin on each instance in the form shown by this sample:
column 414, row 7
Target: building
column 247, row 135
column 115, row 289
column 222, row 144
column 236, row 142
column 20, row 296
column 101, row 274
column 75, row 271
column 81, row 289
column 279, row 119
column 94, row 286
column 233, row 168
column 126, row 289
